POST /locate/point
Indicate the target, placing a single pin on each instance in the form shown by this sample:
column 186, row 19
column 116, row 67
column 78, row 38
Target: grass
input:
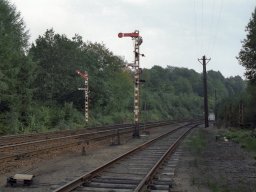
column 216, row 188
column 244, row 137
column 197, row 143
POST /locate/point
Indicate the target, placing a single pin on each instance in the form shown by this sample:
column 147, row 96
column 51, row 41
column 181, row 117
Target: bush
column 243, row 137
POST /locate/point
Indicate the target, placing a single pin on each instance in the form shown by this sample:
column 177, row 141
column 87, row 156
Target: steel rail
column 20, row 155
column 74, row 136
column 79, row 181
column 111, row 133
column 114, row 127
column 17, row 139
column 70, row 131
column 58, row 138
column 143, row 185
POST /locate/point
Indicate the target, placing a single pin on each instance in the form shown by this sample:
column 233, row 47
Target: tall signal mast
column 137, row 71
column 85, row 76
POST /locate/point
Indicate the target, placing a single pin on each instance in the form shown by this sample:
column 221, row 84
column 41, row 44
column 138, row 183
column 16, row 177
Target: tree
column 13, row 42
column 247, row 58
column 247, row 55
column 13, row 68
column 58, row 57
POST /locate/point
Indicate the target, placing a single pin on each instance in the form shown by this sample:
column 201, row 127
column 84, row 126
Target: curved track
column 134, row 171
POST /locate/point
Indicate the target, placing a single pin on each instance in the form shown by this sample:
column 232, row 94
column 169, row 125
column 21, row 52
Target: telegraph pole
column 137, row 71
column 204, row 61
column 84, row 75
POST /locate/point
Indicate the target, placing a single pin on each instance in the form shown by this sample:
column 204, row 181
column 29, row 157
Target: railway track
column 22, row 138
column 20, row 150
column 145, row 168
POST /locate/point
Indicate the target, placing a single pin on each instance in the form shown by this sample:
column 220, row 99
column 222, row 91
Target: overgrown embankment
column 220, row 161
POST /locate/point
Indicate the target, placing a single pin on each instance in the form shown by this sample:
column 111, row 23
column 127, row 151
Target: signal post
column 85, row 76
column 137, row 71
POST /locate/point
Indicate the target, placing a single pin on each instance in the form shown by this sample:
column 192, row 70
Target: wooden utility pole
column 204, row 61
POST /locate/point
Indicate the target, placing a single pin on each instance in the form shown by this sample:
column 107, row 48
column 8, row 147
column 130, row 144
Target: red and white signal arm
column 134, row 34
column 84, row 75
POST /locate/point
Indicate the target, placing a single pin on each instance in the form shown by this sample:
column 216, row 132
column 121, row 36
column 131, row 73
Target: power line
column 202, row 24
column 217, row 27
column 195, row 23
column 211, row 10
column 195, row 27
column 207, row 27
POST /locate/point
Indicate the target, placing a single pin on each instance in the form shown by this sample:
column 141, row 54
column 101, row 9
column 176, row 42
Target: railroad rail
column 22, row 138
column 22, row 150
column 136, row 170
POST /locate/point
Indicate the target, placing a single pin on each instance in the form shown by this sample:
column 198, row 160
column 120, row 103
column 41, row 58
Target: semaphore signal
column 85, row 76
column 137, row 71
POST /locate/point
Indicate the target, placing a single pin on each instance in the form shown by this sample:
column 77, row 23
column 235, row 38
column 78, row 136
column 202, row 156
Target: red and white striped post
column 137, row 71
column 85, row 76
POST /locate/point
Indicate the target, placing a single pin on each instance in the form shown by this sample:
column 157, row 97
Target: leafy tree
column 15, row 68
column 58, row 57
column 247, row 58
column 247, row 55
column 176, row 93
column 13, row 42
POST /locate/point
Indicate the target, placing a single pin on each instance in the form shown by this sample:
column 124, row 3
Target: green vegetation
column 39, row 85
column 228, row 109
column 246, row 58
column 216, row 188
column 246, row 138
column 197, row 143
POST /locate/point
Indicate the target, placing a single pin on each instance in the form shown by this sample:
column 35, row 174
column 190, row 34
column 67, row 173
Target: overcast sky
column 175, row 32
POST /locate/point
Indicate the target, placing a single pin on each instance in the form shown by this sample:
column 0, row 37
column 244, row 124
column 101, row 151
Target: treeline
column 39, row 86
column 177, row 93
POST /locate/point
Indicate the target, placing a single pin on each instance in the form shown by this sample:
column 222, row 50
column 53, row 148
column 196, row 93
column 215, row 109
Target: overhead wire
column 207, row 27
column 202, row 25
column 195, row 28
column 216, row 31
column 210, row 10
column 195, row 22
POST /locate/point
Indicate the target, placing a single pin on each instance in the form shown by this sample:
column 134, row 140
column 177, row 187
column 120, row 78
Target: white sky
column 175, row 32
